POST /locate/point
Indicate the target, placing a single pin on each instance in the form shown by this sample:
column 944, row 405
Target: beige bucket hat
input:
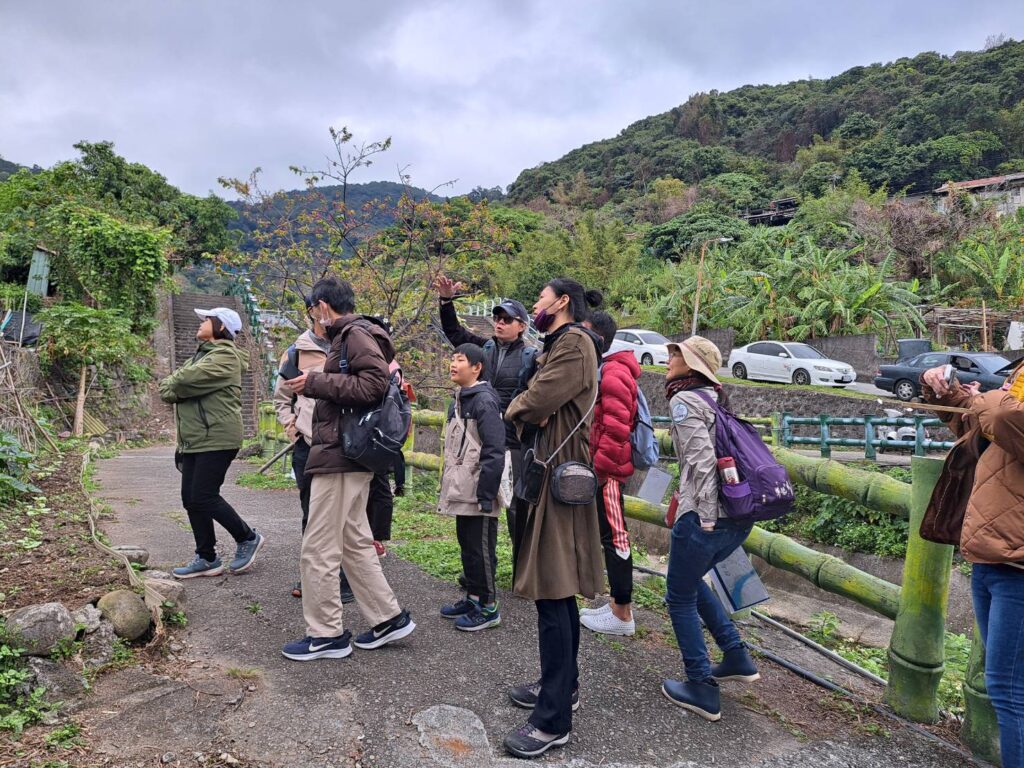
column 700, row 354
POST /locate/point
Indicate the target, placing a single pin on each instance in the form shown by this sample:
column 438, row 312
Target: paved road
column 437, row 698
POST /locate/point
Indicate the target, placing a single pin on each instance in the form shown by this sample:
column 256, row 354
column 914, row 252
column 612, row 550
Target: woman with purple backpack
column 702, row 535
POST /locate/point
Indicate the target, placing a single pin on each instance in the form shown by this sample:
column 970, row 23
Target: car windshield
column 991, row 363
column 650, row 337
column 804, row 352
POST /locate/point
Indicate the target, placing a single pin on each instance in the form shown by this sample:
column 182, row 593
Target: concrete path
column 437, row 698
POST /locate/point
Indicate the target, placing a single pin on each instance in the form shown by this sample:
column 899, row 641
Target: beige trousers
column 338, row 535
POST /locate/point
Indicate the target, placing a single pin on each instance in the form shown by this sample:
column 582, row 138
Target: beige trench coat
column 560, row 553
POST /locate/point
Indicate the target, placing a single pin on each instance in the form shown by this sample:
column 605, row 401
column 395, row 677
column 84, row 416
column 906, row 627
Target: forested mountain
column 912, row 124
column 8, row 169
column 380, row 196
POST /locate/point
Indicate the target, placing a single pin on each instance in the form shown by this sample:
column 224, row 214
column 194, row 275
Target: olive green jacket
column 207, row 396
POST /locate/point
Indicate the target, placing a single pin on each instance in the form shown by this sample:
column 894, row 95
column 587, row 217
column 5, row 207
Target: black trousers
column 478, row 541
column 202, row 475
column 300, row 453
column 380, row 507
column 558, row 635
column 620, row 571
column 400, row 470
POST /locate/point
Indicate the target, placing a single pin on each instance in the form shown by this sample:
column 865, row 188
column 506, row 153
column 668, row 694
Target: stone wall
column 859, row 351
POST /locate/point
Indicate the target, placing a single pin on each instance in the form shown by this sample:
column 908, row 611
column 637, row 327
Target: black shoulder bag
column 572, row 482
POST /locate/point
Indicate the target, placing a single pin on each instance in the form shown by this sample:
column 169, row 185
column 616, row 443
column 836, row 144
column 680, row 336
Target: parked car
column 790, row 362
column 649, row 347
column 903, row 378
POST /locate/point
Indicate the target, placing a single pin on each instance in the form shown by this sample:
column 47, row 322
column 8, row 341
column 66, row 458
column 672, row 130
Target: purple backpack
column 764, row 491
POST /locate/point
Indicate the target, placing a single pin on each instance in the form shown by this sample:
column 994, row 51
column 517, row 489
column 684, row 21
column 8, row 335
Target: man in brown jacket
column 355, row 377
column 993, row 537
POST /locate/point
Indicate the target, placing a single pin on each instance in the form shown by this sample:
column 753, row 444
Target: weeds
column 273, row 482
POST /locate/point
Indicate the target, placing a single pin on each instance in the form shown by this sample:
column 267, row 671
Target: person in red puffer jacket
column 611, row 453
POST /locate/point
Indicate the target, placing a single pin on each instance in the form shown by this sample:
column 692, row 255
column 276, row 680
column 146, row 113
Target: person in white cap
column 207, row 395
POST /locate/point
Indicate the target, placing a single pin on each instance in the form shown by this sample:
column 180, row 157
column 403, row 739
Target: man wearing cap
column 508, row 365
column 207, row 395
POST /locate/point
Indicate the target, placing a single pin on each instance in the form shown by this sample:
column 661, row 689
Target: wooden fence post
column 980, row 731
column 916, row 650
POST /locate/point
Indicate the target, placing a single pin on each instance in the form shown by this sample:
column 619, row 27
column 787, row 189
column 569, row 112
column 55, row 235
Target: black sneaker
column 528, row 741
column 461, row 608
column 525, row 696
column 393, row 629
column 347, row 596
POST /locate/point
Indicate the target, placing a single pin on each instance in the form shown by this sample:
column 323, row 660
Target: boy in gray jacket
column 474, row 459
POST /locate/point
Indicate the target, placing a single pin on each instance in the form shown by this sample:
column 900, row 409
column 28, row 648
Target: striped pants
column 478, row 539
column 618, row 557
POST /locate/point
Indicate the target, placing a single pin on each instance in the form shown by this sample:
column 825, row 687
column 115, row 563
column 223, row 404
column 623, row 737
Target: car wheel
column 801, row 377
column 905, row 390
column 646, row 360
column 739, row 371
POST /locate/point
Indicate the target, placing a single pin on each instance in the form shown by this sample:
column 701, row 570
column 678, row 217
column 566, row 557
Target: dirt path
column 437, row 698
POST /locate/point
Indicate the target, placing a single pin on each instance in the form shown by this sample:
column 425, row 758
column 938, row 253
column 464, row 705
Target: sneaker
column 399, row 490
column 458, row 609
column 393, row 629
column 606, row 608
column 297, row 589
column 703, row 698
column 607, row 623
column 525, row 696
column 382, row 551
column 478, row 618
column 309, row 648
column 199, row 567
column 347, row 595
column 530, row 741
column 245, row 553
column 736, row 665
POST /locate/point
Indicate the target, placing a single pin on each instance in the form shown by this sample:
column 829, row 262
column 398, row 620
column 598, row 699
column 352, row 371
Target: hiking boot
column 478, row 618
column 309, row 648
column 606, row 608
column 736, row 665
column 607, row 623
column 701, row 698
column 530, row 741
column 393, row 629
column 525, row 696
column 245, row 553
column 382, row 551
column 199, row 567
column 461, row 608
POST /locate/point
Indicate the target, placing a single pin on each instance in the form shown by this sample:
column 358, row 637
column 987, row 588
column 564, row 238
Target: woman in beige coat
column 559, row 555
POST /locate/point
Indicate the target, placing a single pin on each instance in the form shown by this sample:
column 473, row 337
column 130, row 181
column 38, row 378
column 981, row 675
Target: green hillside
column 911, row 124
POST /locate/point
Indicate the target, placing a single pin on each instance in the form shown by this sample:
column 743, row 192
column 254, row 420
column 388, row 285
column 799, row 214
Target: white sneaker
column 594, row 611
column 608, row 624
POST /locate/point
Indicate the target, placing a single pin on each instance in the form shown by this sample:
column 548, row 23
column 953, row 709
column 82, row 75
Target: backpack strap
column 528, row 365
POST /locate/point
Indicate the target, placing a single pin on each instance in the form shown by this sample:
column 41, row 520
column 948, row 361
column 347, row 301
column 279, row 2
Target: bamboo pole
column 980, row 730
column 917, row 647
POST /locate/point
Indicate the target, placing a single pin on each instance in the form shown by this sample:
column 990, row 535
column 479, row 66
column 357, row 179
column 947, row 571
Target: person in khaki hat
column 702, row 535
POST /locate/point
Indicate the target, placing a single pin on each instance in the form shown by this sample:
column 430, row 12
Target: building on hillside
column 1007, row 192
column 776, row 213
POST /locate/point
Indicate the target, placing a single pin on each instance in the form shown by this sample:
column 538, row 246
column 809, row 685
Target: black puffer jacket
column 502, row 367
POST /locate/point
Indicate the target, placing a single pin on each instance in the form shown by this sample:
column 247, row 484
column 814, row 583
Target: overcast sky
column 474, row 90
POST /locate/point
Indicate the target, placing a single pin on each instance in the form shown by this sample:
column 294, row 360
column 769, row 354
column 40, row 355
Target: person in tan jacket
column 308, row 354
column 992, row 538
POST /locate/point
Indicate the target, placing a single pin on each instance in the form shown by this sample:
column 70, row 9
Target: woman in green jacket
column 207, row 396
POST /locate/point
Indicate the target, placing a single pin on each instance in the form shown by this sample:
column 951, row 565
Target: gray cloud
column 474, row 91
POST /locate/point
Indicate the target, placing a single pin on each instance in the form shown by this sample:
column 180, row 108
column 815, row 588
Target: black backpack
column 373, row 436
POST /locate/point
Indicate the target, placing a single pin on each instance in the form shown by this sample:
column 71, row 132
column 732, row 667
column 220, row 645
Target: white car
column 789, row 362
column 648, row 347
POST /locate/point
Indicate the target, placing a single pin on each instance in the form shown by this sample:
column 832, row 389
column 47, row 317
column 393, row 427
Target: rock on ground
column 60, row 681
column 127, row 612
column 98, row 647
column 87, row 618
column 135, row 554
column 41, row 627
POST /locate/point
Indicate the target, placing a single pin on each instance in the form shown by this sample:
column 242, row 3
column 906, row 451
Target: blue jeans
column 692, row 554
column 998, row 592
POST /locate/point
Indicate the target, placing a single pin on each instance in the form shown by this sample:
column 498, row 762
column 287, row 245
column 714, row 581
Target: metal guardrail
column 242, row 288
column 871, row 441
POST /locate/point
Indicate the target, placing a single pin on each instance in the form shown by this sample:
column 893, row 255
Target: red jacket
column 614, row 416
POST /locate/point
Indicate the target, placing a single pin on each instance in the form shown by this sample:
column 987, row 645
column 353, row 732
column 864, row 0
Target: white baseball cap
column 228, row 317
